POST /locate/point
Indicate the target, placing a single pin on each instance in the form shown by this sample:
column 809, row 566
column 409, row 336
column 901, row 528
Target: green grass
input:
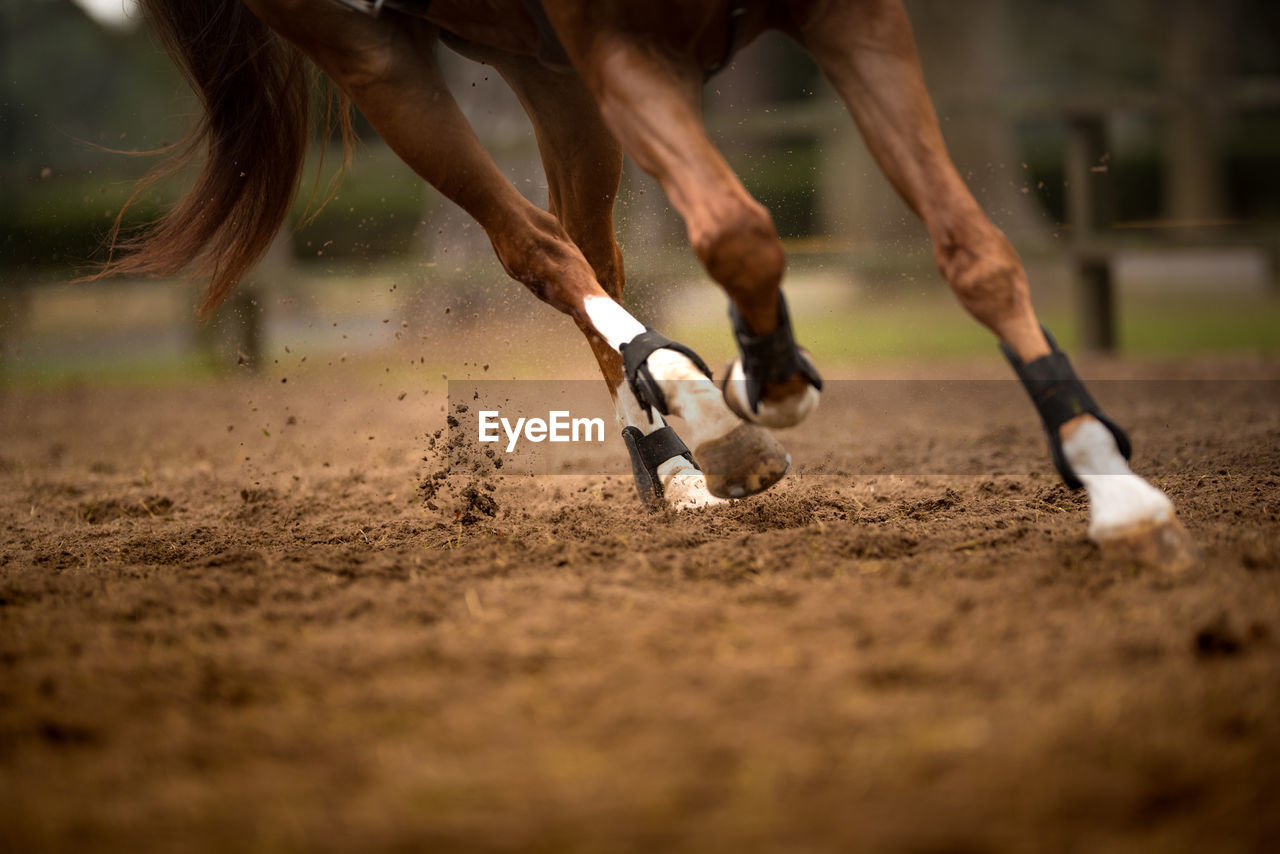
column 1178, row 326
column 933, row 329
column 938, row 329
column 135, row 371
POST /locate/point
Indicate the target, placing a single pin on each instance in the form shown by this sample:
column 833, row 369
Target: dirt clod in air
column 458, row 479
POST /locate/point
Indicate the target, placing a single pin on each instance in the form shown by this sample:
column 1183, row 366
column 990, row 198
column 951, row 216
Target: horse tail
column 256, row 92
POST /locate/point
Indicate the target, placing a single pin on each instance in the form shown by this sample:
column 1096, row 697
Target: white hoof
column 1119, row 503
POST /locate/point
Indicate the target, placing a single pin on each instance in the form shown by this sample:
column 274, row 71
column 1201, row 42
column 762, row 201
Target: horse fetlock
column 1082, row 438
column 656, row 457
column 689, row 393
column 743, row 458
column 655, row 367
column 773, row 381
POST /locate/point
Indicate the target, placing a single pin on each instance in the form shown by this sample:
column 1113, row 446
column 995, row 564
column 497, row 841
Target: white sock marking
column 611, row 320
column 771, row 413
column 1119, row 500
column 684, row 487
column 689, row 393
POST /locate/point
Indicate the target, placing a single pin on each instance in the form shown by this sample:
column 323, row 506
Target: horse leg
column 868, row 53
column 651, row 102
column 386, row 66
column 583, row 164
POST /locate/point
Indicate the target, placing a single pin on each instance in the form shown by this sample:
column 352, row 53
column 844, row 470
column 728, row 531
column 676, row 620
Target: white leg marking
column 1119, row 500
column 689, row 393
column 693, row 397
column 686, row 488
column 772, row 413
column 683, row 486
column 614, row 323
column 742, row 458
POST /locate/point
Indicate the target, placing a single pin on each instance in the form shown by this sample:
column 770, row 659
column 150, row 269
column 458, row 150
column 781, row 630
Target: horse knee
column 741, row 250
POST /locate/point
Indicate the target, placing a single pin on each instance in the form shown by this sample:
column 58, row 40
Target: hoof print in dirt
column 107, row 510
column 1218, row 639
column 1222, row 638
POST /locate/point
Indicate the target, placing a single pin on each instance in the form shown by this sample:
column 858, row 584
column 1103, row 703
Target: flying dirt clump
column 459, row 480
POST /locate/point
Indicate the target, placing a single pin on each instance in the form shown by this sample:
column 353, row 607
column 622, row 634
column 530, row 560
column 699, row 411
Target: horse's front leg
column 868, row 53
column 651, row 102
column 583, row 164
column 387, row 67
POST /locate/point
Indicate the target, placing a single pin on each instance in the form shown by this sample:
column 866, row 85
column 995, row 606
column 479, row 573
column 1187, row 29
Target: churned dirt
column 251, row 616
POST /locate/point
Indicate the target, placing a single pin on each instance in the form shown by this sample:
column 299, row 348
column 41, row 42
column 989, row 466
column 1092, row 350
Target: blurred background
column 1131, row 151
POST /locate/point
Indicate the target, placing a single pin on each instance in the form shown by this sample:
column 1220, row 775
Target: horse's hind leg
column 867, row 51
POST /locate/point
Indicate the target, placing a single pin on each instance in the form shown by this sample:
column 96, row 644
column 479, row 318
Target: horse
column 599, row 78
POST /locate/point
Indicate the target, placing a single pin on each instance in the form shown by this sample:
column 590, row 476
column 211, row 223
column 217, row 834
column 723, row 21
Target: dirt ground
column 229, row 620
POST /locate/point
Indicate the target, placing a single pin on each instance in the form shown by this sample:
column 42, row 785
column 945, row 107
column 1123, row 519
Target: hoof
column 1163, row 545
column 689, row 492
column 799, row 398
column 745, row 461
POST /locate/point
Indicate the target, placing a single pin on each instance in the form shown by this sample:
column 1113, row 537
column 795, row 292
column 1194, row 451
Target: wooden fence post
column 1088, row 212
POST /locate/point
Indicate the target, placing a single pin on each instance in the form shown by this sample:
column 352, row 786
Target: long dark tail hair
column 256, row 90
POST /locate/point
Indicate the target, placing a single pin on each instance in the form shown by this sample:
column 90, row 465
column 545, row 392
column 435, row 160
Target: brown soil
column 248, row 616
